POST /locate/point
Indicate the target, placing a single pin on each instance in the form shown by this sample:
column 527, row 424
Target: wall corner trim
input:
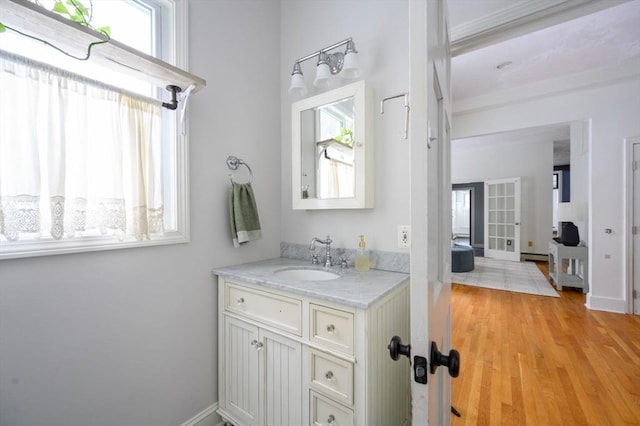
column 203, row 418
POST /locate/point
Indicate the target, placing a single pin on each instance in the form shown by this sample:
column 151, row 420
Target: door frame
column 628, row 224
column 557, row 200
column 418, row 135
column 425, row 17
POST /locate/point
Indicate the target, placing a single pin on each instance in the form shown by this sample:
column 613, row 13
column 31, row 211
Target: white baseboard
column 206, row 417
column 535, row 257
column 606, row 304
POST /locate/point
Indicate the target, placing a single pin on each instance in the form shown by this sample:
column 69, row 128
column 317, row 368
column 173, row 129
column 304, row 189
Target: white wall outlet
column 404, row 236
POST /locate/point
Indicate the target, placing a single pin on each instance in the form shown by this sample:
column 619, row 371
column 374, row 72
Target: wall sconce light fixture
column 328, row 64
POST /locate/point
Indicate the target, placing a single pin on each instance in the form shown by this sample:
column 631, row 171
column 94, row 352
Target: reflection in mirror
column 327, row 150
column 332, row 149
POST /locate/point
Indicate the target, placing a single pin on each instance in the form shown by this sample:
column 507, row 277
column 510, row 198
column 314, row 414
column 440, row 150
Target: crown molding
column 519, row 19
column 626, row 71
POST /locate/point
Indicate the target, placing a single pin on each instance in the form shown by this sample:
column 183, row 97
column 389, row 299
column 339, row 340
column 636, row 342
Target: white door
column 261, row 366
column 502, row 219
column 636, row 229
column 281, row 367
column 241, row 375
column 430, row 208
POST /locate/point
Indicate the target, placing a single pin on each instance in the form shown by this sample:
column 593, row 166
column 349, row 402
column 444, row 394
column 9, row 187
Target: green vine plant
column 345, row 136
column 75, row 11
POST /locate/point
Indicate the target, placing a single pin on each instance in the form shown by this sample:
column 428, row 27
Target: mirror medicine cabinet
column 332, row 149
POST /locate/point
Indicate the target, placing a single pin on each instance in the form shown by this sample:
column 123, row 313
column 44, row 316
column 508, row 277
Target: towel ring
column 233, row 163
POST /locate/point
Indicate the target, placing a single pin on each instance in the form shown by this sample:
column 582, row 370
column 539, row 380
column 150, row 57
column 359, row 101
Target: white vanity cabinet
column 259, row 383
column 286, row 358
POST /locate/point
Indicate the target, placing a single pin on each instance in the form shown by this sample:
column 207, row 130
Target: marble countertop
column 353, row 288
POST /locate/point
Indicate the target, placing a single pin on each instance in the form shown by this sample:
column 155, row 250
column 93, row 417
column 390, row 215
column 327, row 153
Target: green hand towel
column 243, row 214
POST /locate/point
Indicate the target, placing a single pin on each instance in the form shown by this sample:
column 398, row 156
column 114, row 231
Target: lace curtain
column 77, row 158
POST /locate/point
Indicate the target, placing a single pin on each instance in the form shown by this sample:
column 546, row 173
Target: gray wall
column 128, row 337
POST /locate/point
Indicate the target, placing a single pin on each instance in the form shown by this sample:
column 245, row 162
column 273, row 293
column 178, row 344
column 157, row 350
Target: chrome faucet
column 327, row 243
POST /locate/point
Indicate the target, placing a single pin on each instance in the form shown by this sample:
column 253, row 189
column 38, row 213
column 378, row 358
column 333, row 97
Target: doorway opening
column 468, row 230
column 461, row 209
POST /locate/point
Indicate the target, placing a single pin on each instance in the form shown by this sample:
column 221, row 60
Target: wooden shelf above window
column 42, row 23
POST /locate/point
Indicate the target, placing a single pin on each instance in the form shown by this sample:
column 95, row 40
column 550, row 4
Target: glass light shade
column 350, row 67
column 323, row 76
column 297, row 85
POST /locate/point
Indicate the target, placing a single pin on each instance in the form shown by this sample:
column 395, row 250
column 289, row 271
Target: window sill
column 39, row 22
column 35, row 248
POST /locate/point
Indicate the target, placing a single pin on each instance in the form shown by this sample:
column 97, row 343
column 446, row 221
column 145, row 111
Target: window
column 70, row 198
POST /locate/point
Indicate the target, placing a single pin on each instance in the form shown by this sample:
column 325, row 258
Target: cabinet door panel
column 282, row 380
column 241, row 373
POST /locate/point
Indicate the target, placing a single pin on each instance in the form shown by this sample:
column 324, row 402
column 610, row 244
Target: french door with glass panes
column 502, row 219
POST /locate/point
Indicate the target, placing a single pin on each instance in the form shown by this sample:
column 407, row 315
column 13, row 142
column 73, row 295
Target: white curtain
column 335, row 179
column 77, row 158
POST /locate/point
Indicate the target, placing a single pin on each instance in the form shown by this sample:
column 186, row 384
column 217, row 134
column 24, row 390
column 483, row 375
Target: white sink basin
column 307, row 274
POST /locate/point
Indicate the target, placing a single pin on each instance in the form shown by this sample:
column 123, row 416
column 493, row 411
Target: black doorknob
column 396, row 348
column 452, row 361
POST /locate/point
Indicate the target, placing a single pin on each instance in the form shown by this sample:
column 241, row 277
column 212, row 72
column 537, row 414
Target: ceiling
column 603, row 39
column 603, row 34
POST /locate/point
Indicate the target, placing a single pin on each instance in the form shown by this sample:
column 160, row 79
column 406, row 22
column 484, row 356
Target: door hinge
column 635, row 165
column 635, row 230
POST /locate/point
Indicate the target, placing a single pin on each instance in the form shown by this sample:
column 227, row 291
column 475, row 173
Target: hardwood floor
column 536, row 360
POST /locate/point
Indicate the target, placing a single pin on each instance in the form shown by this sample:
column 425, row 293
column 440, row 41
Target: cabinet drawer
column 332, row 376
column 331, row 328
column 325, row 412
column 284, row 313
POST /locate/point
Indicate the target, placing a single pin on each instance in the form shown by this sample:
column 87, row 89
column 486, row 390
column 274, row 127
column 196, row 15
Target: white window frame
column 174, row 50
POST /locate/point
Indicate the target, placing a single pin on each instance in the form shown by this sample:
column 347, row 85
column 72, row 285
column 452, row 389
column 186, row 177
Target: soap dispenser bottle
column 362, row 257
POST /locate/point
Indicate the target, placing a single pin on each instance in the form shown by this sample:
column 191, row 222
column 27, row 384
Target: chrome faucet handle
column 314, row 259
column 344, row 262
column 328, row 263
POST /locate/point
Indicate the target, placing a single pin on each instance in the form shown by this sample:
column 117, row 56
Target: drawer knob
column 331, row 420
column 331, row 328
column 257, row 345
column 329, row 375
column 241, row 301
